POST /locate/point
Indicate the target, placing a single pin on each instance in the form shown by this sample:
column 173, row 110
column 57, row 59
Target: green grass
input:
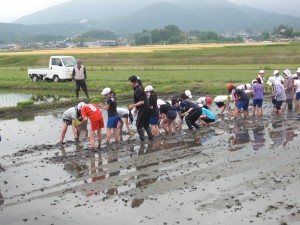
column 206, row 70
column 25, row 103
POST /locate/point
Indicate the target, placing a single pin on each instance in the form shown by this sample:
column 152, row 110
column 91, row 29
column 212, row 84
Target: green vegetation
column 204, row 71
column 25, row 103
column 171, row 34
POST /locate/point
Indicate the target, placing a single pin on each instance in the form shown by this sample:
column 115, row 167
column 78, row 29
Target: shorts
column 97, row 125
column 278, row 105
column 154, row 121
column 298, row 96
column 112, row 122
column 220, row 104
column 242, row 105
column 68, row 122
column 258, row 103
column 172, row 114
column 274, row 102
column 207, row 120
column 125, row 116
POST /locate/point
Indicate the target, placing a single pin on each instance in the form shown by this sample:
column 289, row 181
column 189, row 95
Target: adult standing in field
column 289, row 88
column 278, row 95
column 79, row 76
column 278, row 77
column 258, row 97
column 261, row 77
column 297, row 90
column 142, row 106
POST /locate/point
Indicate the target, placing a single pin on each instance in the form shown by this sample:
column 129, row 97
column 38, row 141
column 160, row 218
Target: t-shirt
column 297, row 85
column 153, row 103
column 92, row 111
column 242, row 95
column 279, row 91
column 279, row 78
column 186, row 105
column 258, row 90
column 140, row 95
column 112, row 107
column 262, row 79
column 166, row 108
column 233, row 95
column 208, row 113
column 221, row 98
column 122, row 112
column 70, row 114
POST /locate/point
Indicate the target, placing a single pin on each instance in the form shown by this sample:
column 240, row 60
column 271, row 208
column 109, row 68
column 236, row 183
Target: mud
column 230, row 173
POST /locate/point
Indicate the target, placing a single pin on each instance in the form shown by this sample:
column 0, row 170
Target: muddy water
column 230, row 173
column 11, row 99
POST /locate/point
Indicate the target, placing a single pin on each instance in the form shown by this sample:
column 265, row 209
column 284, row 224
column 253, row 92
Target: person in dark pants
column 79, row 76
column 190, row 111
column 142, row 106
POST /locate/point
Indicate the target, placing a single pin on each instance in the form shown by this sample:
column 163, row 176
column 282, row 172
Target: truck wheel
column 34, row 78
column 56, row 79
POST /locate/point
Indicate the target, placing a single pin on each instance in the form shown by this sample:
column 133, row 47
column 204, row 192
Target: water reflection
column 11, row 99
column 239, row 136
column 259, row 136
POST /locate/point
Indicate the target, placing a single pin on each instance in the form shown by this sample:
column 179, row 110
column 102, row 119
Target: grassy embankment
column 170, row 69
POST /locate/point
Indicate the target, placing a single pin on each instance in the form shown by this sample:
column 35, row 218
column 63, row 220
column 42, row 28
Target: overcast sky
column 14, row 9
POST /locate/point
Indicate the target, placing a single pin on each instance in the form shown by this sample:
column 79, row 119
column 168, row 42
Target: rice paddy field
column 204, row 69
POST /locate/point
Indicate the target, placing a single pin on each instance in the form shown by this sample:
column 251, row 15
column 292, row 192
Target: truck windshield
column 69, row 62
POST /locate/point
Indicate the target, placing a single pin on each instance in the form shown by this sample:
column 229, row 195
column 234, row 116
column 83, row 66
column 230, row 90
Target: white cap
column 201, row 100
column 271, row 81
column 276, row 72
column 80, row 105
column 248, row 86
column 254, row 81
column 295, row 76
column 188, row 93
column 149, row 88
column 106, row 91
column 261, row 72
column 287, row 72
column 160, row 102
column 298, row 71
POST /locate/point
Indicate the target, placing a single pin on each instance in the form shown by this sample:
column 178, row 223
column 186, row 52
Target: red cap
column 230, row 86
column 209, row 101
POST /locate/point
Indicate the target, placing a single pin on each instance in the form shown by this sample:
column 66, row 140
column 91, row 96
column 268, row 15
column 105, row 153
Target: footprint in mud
column 137, row 202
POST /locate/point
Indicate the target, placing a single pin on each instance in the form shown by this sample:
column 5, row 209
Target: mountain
column 87, row 9
column 131, row 16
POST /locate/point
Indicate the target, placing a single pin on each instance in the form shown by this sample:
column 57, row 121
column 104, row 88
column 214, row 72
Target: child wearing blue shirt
column 207, row 117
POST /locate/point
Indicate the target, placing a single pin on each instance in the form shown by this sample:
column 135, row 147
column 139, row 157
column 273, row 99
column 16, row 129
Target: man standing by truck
column 79, row 76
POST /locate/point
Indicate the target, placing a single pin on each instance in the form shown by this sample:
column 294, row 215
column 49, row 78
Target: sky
column 12, row 10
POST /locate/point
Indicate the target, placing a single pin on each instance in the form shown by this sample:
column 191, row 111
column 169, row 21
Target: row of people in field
column 151, row 111
column 284, row 88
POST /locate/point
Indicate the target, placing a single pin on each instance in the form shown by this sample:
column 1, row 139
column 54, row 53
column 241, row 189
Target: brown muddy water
column 230, row 173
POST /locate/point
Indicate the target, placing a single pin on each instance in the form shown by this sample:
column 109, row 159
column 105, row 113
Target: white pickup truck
column 60, row 68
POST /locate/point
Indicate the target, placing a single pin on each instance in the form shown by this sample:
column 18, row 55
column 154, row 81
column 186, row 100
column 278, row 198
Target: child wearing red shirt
column 92, row 112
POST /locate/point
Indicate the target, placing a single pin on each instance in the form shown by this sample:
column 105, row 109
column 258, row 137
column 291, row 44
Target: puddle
column 241, row 173
column 11, row 99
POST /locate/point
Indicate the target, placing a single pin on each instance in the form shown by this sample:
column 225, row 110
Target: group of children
column 152, row 112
